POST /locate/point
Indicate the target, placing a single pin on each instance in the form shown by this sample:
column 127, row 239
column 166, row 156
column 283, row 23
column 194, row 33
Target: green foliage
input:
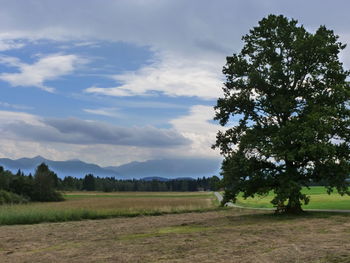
column 11, row 198
column 40, row 188
column 70, row 183
column 289, row 96
column 89, row 183
column 16, row 183
column 111, row 184
column 45, row 184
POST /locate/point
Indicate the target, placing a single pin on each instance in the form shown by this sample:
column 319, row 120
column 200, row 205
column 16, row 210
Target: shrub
column 11, row 198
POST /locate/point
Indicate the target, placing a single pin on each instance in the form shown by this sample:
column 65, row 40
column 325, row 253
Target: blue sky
column 111, row 82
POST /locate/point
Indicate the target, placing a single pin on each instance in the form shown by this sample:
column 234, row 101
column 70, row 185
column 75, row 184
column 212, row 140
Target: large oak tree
column 286, row 100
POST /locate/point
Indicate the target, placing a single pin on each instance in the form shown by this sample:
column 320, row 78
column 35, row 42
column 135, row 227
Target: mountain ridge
column 163, row 168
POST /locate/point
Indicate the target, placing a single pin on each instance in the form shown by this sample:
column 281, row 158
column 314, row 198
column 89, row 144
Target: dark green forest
column 45, row 185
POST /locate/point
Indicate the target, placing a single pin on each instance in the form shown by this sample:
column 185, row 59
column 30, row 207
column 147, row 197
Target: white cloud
column 15, row 149
column 87, row 44
column 11, row 61
column 196, row 127
column 116, row 92
column 151, row 104
column 14, row 106
column 101, row 154
column 46, row 68
column 8, row 44
column 9, row 117
column 170, row 76
column 109, row 112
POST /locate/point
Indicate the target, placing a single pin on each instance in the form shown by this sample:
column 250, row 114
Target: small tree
column 288, row 99
column 45, row 182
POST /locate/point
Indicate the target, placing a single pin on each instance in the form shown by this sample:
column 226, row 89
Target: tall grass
column 87, row 207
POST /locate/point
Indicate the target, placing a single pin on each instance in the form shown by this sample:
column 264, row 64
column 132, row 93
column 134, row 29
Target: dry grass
column 137, row 203
column 222, row 236
column 137, row 200
column 71, row 194
column 82, row 205
column 130, row 201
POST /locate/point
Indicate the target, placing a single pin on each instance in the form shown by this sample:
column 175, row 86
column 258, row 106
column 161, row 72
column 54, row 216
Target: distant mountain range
column 163, row 169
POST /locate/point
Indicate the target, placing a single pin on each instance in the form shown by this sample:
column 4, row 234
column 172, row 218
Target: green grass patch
column 319, row 199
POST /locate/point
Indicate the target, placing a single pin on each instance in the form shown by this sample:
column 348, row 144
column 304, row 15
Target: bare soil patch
column 222, row 236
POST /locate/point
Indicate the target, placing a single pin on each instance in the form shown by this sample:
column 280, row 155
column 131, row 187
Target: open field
column 94, row 205
column 232, row 235
column 319, row 199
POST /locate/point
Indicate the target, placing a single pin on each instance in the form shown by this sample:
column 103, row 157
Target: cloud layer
column 189, row 41
column 75, row 131
column 191, row 136
column 190, row 38
column 196, row 127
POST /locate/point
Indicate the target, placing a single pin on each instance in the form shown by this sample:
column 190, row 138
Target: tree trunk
column 294, row 204
column 295, row 196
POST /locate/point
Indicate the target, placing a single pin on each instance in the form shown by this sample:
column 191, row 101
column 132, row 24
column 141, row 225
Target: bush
column 53, row 196
column 11, row 198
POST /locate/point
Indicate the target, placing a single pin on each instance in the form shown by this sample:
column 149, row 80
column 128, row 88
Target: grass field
column 230, row 235
column 319, row 199
column 82, row 205
column 222, row 235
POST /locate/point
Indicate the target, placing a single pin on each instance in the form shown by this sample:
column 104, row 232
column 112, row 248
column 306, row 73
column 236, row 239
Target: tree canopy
column 286, row 97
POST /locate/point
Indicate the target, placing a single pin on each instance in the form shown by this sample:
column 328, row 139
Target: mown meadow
column 319, row 199
column 98, row 205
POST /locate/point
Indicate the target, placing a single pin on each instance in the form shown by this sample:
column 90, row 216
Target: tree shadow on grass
column 272, row 217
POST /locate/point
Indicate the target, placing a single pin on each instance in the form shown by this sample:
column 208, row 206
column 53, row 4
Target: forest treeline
column 45, row 185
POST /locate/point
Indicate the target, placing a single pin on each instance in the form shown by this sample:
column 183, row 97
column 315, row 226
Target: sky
column 115, row 81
